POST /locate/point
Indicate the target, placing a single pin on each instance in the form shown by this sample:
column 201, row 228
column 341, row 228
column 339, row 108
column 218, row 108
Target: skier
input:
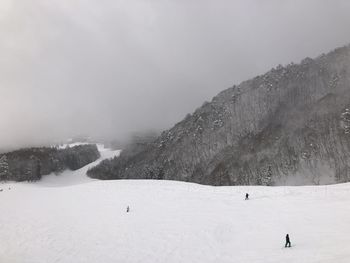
column 246, row 196
column 287, row 241
column 127, row 209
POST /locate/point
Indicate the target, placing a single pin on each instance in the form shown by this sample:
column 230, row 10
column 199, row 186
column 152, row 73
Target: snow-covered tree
column 4, row 168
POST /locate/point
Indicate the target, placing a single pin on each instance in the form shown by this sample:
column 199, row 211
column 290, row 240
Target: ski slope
column 68, row 177
column 172, row 222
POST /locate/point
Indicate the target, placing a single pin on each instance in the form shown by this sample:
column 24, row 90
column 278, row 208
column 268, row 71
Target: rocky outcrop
column 32, row 163
column 289, row 126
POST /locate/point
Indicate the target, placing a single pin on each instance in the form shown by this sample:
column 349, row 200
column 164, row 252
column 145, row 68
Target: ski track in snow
column 61, row 219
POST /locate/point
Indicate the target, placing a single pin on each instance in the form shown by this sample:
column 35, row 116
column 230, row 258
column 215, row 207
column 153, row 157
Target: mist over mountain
column 109, row 68
column 288, row 126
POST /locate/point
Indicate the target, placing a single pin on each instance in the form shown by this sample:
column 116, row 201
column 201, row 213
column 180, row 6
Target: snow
column 171, row 222
column 68, row 177
column 65, row 145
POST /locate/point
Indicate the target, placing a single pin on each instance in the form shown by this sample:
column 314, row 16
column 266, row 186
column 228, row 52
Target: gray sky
column 108, row 67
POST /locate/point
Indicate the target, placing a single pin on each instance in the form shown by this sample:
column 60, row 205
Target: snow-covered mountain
column 290, row 126
column 86, row 222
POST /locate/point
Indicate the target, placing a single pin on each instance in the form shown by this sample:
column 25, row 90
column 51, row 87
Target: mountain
column 31, row 164
column 290, row 126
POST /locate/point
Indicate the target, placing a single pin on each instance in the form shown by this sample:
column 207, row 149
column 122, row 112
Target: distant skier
column 287, row 241
column 127, row 209
column 246, row 196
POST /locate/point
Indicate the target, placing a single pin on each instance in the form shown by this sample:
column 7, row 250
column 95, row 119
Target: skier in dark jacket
column 287, row 241
column 246, row 196
column 127, row 209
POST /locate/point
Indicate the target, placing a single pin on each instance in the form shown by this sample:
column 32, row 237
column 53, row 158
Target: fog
column 108, row 68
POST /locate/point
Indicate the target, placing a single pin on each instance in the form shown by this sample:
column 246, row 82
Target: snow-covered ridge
column 173, row 222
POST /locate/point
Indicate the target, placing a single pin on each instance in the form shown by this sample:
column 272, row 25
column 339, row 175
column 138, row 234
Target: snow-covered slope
column 69, row 177
column 172, row 222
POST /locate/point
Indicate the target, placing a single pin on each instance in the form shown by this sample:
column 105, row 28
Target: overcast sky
column 109, row 68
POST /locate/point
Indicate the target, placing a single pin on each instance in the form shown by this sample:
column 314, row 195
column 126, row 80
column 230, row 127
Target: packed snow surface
column 172, row 222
